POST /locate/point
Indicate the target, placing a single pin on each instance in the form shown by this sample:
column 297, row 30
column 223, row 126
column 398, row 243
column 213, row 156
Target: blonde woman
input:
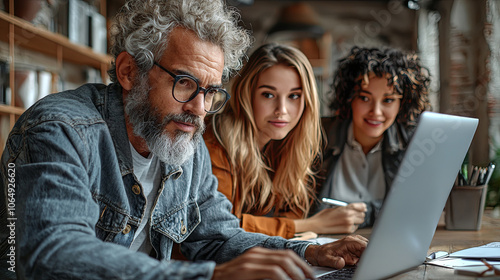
column 265, row 142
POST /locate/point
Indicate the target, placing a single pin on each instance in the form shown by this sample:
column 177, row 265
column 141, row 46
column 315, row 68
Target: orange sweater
column 275, row 226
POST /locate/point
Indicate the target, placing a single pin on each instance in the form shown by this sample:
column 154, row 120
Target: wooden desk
column 450, row 241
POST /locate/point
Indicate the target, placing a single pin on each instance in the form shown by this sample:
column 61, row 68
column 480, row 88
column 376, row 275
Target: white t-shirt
column 147, row 171
column 358, row 177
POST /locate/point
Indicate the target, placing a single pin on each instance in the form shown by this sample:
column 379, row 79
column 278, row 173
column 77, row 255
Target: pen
column 334, row 202
column 480, row 179
column 474, row 175
column 437, row 255
column 461, row 179
column 491, row 168
column 463, row 170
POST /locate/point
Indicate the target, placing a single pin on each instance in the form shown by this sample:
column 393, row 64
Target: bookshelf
column 28, row 36
column 21, row 34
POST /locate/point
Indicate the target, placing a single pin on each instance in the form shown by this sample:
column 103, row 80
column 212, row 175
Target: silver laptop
column 404, row 229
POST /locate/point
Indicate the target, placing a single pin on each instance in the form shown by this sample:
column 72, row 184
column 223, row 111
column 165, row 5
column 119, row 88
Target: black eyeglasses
column 186, row 88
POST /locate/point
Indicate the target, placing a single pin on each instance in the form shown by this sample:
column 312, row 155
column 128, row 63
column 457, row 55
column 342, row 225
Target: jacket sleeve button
column 183, row 228
column 126, row 230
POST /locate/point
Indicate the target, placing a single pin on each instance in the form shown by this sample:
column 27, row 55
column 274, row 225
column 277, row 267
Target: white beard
column 147, row 124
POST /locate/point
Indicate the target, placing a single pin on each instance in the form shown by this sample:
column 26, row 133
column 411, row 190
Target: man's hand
column 345, row 251
column 261, row 263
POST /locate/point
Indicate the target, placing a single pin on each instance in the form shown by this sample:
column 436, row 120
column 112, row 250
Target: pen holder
column 464, row 208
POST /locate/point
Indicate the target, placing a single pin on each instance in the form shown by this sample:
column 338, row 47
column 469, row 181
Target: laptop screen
column 404, row 230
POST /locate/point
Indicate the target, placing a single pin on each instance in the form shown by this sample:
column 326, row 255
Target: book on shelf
column 78, row 22
column 26, row 87
column 82, row 24
column 93, row 76
column 44, row 83
column 4, row 82
column 73, row 21
column 97, row 31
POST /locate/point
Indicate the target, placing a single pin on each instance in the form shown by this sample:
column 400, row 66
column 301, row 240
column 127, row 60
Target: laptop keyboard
column 344, row 273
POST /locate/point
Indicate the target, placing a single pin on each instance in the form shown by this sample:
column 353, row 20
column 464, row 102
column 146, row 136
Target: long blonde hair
column 292, row 186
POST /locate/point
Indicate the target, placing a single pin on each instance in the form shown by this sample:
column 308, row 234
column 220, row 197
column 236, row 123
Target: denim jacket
column 78, row 204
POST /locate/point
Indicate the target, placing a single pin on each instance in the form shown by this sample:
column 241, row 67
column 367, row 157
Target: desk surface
column 450, row 241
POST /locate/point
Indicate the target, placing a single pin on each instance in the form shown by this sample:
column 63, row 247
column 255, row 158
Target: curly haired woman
column 378, row 96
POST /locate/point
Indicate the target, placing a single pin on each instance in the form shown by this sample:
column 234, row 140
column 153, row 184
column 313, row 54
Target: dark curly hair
column 403, row 70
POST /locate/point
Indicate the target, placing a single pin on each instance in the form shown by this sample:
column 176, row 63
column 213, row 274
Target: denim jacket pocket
column 180, row 222
column 111, row 221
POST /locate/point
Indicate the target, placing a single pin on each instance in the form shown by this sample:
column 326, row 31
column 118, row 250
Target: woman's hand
column 334, row 220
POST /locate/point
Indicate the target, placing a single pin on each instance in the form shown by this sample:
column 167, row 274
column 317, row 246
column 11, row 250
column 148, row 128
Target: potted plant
column 493, row 196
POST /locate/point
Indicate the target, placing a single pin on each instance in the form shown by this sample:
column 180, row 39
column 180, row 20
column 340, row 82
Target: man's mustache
column 186, row 118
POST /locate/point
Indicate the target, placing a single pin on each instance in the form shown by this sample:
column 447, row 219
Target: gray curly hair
column 141, row 28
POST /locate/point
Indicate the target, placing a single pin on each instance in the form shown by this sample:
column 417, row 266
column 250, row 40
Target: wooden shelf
column 7, row 109
column 21, row 34
column 30, row 37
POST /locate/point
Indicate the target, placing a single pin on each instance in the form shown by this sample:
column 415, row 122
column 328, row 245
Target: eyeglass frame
column 193, row 96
